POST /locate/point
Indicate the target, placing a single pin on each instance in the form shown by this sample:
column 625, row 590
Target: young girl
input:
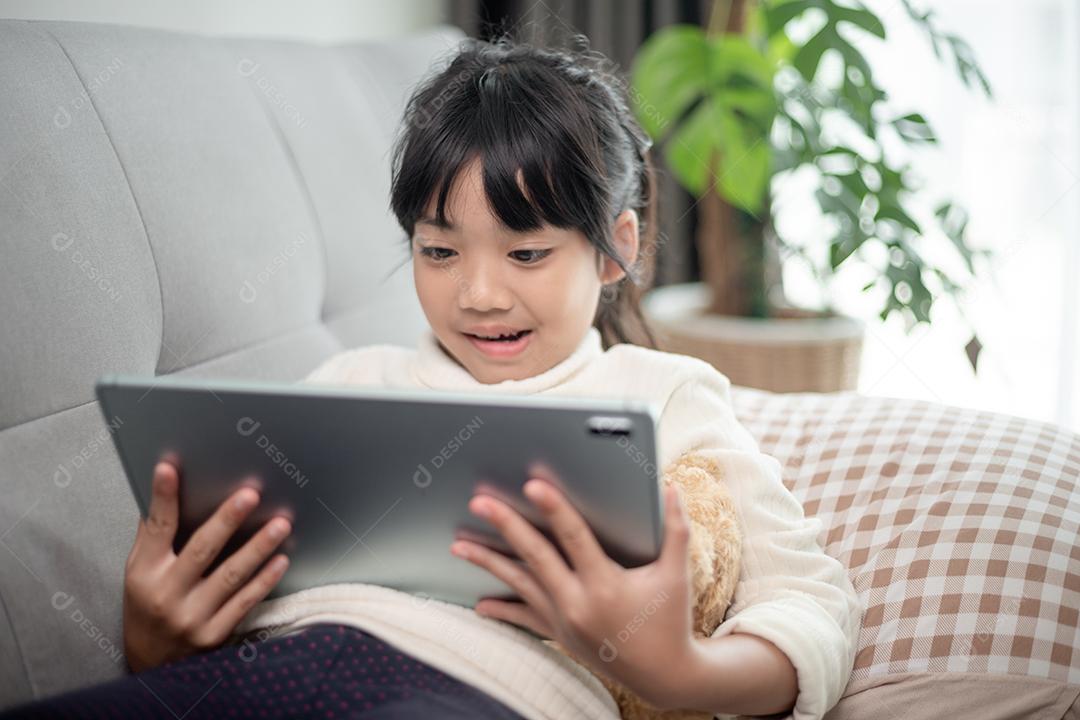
column 525, row 188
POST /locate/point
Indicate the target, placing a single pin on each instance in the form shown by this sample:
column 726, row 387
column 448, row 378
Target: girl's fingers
column 573, row 533
column 225, row 620
column 156, row 533
column 227, row 577
column 675, row 550
column 206, row 542
column 509, row 571
column 538, row 553
column 517, row 613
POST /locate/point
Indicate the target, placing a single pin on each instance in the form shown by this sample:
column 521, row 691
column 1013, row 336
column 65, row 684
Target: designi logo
column 416, row 478
column 246, row 426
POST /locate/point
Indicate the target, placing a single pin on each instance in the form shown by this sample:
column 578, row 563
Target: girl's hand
column 170, row 610
column 632, row 625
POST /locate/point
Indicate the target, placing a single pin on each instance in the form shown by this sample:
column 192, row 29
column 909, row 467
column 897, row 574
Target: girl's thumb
column 676, row 529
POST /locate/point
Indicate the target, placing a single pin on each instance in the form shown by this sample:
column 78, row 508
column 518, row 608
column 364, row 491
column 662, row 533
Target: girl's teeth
column 501, row 337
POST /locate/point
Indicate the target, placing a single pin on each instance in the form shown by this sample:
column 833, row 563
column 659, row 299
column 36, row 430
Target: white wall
column 314, row 20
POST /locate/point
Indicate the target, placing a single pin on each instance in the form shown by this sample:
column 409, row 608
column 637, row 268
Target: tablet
column 376, row 481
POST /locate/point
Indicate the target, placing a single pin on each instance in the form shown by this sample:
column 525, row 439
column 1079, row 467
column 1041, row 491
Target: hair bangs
column 522, row 145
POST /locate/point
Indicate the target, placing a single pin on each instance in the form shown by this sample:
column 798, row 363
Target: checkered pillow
column 959, row 528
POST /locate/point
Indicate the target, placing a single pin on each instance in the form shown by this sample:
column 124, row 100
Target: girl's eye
column 432, row 252
column 540, row 255
column 528, row 257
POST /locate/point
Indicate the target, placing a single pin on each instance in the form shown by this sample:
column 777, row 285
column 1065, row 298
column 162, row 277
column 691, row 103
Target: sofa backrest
column 169, row 203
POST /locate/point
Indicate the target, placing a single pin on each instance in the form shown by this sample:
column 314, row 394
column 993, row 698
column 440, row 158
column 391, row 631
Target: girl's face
column 479, row 278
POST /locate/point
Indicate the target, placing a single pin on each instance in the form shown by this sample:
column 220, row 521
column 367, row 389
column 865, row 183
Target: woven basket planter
column 804, row 352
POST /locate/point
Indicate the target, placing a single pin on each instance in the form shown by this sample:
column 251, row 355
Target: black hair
column 561, row 118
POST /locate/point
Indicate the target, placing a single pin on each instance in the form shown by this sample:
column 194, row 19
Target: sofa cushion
column 959, row 529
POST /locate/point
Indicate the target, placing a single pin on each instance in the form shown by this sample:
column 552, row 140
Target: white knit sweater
column 789, row 591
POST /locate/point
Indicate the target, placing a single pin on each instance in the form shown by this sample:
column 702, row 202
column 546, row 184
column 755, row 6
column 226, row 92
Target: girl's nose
column 484, row 290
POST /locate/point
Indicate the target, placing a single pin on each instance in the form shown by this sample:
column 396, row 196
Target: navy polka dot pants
column 323, row 671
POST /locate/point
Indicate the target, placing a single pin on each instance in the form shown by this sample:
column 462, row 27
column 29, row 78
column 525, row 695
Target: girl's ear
column 625, row 237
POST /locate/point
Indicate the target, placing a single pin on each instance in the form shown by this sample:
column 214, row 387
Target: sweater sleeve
column 331, row 370
column 789, row 591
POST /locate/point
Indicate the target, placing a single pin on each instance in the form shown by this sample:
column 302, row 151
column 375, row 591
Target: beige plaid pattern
column 959, row 527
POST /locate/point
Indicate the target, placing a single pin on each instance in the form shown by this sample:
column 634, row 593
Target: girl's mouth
column 502, row 347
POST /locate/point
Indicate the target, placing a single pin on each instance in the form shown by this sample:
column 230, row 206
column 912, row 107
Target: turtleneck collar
column 436, row 369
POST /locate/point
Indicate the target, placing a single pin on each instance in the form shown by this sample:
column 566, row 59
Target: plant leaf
column 854, row 58
column 670, row 74
column 854, row 184
column 954, row 221
column 842, row 246
column 732, row 54
column 913, row 127
column 808, row 57
column 895, row 212
column 860, row 16
column 691, row 146
column 973, row 349
column 777, row 15
column 745, row 160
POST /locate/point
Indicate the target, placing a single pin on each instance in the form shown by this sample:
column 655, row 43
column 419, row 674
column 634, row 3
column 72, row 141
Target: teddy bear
column 715, row 548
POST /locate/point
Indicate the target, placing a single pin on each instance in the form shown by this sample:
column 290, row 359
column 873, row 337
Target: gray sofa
column 169, row 203
column 218, row 207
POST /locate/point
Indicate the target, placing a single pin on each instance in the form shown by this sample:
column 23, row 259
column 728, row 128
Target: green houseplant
column 735, row 105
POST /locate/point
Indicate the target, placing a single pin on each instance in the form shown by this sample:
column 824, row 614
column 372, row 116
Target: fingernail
column 245, row 500
column 279, row 563
column 161, row 481
column 481, row 508
column 278, row 528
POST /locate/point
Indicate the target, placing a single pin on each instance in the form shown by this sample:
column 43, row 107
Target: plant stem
column 716, row 24
column 730, row 242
